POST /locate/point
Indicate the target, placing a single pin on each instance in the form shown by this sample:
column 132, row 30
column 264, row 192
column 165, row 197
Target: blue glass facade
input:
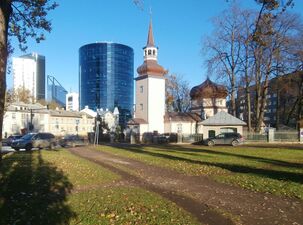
column 106, row 73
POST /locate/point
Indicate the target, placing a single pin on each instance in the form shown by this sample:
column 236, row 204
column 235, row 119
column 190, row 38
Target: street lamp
column 31, row 125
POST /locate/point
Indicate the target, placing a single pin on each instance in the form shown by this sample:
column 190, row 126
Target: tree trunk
column 263, row 101
column 5, row 11
column 248, row 102
column 278, row 109
column 233, row 97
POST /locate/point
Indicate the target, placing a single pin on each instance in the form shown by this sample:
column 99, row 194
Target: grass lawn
column 277, row 170
column 56, row 187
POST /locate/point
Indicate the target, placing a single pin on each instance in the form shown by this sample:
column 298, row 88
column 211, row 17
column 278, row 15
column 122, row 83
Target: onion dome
column 151, row 67
column 208, row 89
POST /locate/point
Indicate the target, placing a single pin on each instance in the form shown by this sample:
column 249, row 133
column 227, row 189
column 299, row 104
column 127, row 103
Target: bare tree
column 271, row 52
column 177, row 93
column 224, row 48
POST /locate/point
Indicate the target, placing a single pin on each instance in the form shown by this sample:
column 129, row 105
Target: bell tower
column 150, row 88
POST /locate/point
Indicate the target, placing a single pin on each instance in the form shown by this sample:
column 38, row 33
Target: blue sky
column 178, row 25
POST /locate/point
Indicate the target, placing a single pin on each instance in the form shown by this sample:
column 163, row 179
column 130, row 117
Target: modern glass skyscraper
column 106, row 74
column 55, row 91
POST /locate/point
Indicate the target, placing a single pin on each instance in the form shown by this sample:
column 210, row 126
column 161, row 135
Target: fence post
column 271, row 135
column 179, row 138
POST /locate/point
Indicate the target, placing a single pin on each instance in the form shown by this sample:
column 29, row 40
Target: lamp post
column 31, row 125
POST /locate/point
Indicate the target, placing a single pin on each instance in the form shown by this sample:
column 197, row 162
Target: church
column 208, row 113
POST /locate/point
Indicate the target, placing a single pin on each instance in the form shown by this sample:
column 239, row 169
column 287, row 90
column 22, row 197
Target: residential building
column 22, row 118
column 29, row 73
column 72, row 101
column 283, row 101
column 106, row 73
column 55, row 91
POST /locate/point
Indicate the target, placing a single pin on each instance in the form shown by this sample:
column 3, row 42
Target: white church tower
column 150, row 89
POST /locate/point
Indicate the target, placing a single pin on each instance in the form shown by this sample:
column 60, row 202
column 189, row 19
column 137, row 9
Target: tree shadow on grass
column 268, row 173
column 32, row 191
column 232, row 154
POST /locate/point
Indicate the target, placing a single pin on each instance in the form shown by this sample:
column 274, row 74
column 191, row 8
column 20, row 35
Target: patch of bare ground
column 206, row 199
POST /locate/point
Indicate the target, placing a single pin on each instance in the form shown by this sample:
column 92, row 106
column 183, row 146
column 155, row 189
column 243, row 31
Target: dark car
column 233, row 139
column 12, row 138
column 35, row 140
column 71, row 140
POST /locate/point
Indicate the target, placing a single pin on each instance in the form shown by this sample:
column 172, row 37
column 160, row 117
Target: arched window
column 149, row 52
column 154, row 52
column 145, row 53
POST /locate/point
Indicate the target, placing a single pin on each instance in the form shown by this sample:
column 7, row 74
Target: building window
column 141, row 107
column 141, row 89
column 13, row 115
column 149, row 52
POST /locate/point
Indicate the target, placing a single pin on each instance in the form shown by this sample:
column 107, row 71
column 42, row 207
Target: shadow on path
column 32, row 191
column 202, row 212
column 273, row 174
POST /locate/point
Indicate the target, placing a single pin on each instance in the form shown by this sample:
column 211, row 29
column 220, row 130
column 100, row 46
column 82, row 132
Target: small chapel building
column 208, row 113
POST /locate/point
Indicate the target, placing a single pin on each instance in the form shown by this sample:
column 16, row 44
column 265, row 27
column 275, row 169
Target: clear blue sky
column 178, row 25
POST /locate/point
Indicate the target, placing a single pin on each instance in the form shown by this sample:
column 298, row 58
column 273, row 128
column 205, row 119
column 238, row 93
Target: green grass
column 56, row 187
column 271, row 169
column 126, row 206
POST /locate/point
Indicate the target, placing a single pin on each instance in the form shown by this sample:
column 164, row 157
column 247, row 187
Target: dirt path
column 204, row 198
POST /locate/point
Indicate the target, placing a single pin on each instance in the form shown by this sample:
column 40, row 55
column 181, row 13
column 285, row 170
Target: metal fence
column 286, row 136
column 278, row 136
column 191, row 138
column 255, row 137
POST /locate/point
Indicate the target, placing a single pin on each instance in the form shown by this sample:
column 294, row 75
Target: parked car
column 35, row 140
column 71, row 140
column 233, row 139
column 12, row 138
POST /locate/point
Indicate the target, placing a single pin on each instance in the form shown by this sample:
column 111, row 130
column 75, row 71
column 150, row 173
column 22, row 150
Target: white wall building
column 29, row 73
column 17, row 120
column 72, row 101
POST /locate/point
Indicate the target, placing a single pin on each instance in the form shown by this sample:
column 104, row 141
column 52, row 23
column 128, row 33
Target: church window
column 154, row 52
column 141, row 89
column 149, row 52
column 141, row 107
column 145, row 52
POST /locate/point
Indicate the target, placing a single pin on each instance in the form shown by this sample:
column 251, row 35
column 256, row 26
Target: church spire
column 150, row 38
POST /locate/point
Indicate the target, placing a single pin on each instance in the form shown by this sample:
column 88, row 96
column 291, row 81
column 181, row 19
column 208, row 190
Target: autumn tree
column 21, row 19
column 177, row 93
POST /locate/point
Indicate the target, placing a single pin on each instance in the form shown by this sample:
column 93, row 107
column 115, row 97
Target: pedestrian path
column 211, row 202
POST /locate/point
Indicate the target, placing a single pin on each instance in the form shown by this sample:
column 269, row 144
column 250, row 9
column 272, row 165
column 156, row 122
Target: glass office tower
column 106, row 74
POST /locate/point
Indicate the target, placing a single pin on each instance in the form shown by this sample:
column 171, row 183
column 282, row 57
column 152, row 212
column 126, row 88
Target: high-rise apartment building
column 106, row 73
column 29, row 73
column 72, row 102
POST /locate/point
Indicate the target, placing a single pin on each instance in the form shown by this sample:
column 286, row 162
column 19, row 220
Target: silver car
column 35, row 140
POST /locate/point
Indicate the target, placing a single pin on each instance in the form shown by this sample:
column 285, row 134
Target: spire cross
column 150, row 12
